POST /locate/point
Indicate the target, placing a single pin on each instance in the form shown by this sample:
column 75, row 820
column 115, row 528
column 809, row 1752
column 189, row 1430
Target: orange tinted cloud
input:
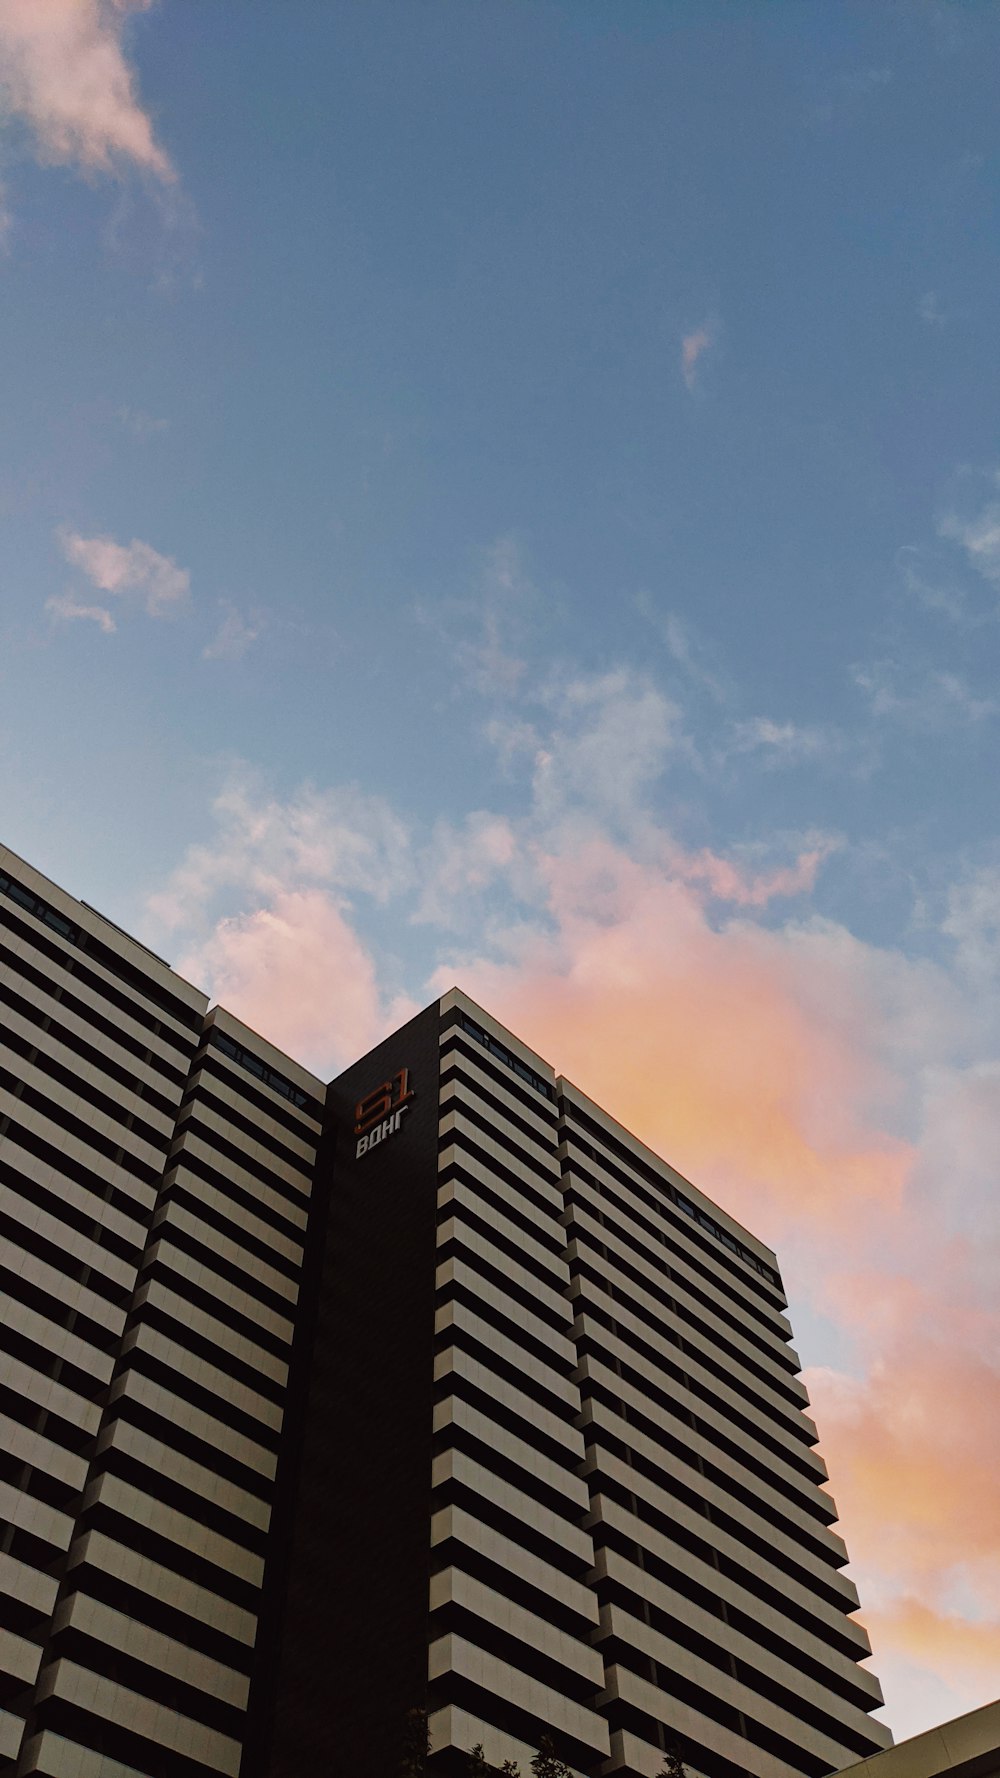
column 914, row 1448
column 967, row 1654
column 726, row 882
column 914, row 1443
column 703, row 1041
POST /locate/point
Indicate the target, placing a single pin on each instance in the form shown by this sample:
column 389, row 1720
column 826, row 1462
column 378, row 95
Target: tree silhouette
column 479, row 1767
column 416, row 1745
column 673, row 1765
column 546, row 1763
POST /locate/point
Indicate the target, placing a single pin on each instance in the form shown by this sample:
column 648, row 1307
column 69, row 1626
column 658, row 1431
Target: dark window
column 103, row 954
column 509, row 1060
column 271, row 1078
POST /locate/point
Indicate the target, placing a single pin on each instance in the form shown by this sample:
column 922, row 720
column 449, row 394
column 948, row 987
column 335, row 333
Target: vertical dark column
column 343, row 1651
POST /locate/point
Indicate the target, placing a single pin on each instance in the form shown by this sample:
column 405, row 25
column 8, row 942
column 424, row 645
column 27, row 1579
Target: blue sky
column 511, row 493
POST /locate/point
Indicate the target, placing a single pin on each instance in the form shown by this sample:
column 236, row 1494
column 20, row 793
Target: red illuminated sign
column 380, row 1112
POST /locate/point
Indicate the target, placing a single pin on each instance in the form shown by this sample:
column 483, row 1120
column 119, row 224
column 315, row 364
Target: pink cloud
column 130, row 570
column 692, row 347
column 297, row 972
column 63, row 70
column 735, row 1052
column 726, row 882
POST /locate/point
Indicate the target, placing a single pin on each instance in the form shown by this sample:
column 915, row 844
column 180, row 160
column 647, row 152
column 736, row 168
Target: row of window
column 245, row 1058
column 74, row 935
column 697, row 1215
column 508, row 1058
column 54, row 990
column 702, row 1218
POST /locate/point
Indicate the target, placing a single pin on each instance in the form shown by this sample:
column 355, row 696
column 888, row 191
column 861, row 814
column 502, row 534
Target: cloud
column 234, row 637
column 709, row 1042
column 297, row 971
column 785, row 742
column 66, row 606
column 266, row 906
column 724, row 881
column 927, row 1651
column 685, row 647
column 972, row 922
column 133, row 572
column 63, row 71
column 512, row 740
column 610, row 737
column 933, row 585
column 693, row 346
column 929, row 700
column 261, row 847
column 978, row 532
column 461, row 861
column 141, row 425
column 486, row 659
column 930, row 310
column 913, row 1447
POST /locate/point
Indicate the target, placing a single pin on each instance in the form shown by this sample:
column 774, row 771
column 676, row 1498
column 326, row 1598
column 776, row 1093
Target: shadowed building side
column 347, row 1637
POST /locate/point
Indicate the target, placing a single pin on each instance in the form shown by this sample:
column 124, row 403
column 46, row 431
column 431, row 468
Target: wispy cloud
column 140, row 424
column 482, row 629
column 978, row 531
column 486, row 659
column 684, row 646
column 783, row 742
column 929, row 309
column 133, row 572
column 338, row 839
column 923, row 699
column 609, row 739
column 64, row 73
column 235, row 635
column 934, row 585
column 67, row 607
column 693, row 347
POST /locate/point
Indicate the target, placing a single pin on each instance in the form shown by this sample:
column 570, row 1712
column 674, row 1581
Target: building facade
column 966, row 1747
column 156, row 1168
column 432, row 1388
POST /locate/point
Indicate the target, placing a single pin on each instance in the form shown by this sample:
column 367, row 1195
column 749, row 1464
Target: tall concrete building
column 432, row 1388
column 156, row 1169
